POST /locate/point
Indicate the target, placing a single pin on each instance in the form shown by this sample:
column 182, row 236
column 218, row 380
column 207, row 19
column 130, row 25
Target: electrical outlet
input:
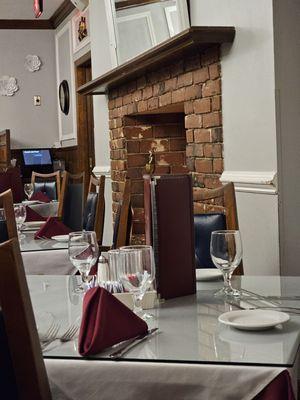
column 37, row 100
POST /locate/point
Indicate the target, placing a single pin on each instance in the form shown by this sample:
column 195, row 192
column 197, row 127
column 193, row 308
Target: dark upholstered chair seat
column 73, row 206
column 3, row 231
column 8, row 386
column 204, row 225
column 48, row 188
column 89, row 213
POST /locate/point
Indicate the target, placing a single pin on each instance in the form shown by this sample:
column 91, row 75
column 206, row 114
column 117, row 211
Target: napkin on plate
column 52, row 227
column 105, row 322
column 32, row 215
column 40, row 196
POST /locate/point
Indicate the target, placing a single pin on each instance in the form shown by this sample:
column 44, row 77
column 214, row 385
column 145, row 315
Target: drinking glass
column 136, row 271
column 28, row 189
column 83, row 253
column 226, row 253
column 20, row 215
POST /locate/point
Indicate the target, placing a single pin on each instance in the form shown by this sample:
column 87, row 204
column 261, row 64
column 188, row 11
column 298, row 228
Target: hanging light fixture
column 38, row 8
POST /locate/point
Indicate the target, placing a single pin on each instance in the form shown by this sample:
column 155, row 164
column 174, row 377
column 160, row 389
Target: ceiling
column 23, row 9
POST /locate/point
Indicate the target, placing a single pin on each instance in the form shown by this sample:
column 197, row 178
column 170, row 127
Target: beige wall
column 30, row 126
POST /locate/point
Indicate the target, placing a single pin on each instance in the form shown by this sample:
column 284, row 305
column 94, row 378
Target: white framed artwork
column 65, row 71
column 81, row 30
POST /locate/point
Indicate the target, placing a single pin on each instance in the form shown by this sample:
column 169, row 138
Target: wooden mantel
column 171, row 50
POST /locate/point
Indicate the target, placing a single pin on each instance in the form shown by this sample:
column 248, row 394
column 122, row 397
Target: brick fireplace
column 174, row 110
column 167, row 99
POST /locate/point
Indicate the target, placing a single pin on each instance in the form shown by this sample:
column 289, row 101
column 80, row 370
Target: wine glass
column 28, row 189
column 20, row 215
column 226, row 253
column 83, row 253
column 136, row 271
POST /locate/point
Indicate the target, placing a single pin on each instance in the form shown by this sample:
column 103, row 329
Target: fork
column 50, row 335
column 69, row 334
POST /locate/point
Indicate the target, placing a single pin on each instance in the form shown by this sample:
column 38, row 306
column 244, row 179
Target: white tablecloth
column 47, row 262
column 46, row 209
column 107, row 380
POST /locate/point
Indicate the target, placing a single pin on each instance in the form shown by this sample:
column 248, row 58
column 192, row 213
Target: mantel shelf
column 172, row 49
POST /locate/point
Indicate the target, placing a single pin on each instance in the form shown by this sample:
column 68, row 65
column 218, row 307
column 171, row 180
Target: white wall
column 249, row 121
column 101, row 62
column 287, row 72
column 30, row 126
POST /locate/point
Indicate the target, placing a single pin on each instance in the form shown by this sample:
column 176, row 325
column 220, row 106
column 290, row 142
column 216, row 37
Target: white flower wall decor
column 8, row 85
column 32, row 63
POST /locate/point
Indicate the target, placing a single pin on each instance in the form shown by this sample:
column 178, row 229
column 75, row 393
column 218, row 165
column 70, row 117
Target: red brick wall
column 186, row 137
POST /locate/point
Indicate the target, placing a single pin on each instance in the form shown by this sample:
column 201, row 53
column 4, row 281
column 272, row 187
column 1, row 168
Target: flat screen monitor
column 37, row 157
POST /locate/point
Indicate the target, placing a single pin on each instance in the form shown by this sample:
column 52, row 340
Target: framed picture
column 81, row 30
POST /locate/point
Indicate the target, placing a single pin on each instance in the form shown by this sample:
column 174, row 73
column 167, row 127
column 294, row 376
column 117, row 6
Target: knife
column 128, row 345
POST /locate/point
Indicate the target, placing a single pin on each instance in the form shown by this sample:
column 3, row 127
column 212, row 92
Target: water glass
column 29, row 189
column 136, row 271
column 20, row 216
column 226, row 253
column 83, row 253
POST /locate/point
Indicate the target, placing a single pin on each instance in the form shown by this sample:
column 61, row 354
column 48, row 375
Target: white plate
column 61, row 238
column 34, row 224
column 29, row 202
column 253, row 320
column 208, row 274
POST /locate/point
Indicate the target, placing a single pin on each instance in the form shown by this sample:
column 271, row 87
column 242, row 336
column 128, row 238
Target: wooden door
column 85, row 121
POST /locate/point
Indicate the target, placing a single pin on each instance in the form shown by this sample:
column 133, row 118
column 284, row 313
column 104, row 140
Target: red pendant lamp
column 38, row 8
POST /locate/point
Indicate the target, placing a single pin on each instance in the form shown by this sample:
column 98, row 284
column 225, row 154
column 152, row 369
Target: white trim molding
column 263, row 182
column 102, row 170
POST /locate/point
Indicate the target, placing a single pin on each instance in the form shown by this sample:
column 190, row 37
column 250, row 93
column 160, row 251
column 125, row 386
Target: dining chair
column 214, row 209
column 94, row 210
column 123, row 221
column 8, row 228
column 49, row 184
column 70, row 209
column 11, row 179
column 24, row 376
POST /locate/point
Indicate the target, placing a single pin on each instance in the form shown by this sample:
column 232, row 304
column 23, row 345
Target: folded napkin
column 32, row 215
column 52, row 227
column 40, row 196
column 105, row 322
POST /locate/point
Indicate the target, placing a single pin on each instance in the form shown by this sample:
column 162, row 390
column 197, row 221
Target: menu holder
column 169, row 227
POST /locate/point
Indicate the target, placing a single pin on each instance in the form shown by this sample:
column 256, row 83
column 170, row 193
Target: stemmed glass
column 28, row 189
column 136, row 271
column 83, row 253
column 226, row 253
column 20, row 215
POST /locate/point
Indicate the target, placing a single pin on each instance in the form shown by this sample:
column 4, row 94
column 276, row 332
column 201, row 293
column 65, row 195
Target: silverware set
column 123, row 348
column 51, row 335
column 247, row 302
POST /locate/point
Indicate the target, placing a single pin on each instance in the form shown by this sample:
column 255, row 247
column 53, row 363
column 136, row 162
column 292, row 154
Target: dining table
column 191, row 356
column 45, row 256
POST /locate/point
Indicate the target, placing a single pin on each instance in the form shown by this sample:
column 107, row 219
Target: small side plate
column 253, row 320
column 208, row 274
column 61, row 238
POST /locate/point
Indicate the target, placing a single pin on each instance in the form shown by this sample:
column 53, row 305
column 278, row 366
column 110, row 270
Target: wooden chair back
column 97, row 185
column 219, row 200
column 53, row 177
column 123, row 220
column 22, row 338
column 6, row 203
column 4, row 149
column 68, row 199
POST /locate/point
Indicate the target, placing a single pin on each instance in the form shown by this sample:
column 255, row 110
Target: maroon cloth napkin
column 52, row 227
column 32, row 215
column 279, row 389
column 105, row 322
column 40, row 196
